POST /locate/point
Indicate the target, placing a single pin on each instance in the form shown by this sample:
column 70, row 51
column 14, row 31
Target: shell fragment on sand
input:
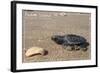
column 35, row 51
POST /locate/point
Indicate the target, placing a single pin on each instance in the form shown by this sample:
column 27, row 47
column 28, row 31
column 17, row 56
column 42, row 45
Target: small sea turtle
column 74, row 42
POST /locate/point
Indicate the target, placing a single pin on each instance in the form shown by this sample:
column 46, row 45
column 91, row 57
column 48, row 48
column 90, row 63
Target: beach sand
column 39, row 26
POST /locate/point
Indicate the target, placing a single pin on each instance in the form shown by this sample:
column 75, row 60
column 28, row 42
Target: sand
column 39, row 26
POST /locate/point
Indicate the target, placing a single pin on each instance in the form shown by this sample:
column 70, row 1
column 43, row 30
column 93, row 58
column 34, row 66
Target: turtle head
column 58, row 39
column 54, row 38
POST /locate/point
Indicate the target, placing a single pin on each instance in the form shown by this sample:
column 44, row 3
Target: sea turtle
column 74, row 42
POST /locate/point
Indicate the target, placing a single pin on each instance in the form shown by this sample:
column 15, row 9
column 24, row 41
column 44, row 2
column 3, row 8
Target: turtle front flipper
column 76, row 47
column 67, row 47
column 64, row 45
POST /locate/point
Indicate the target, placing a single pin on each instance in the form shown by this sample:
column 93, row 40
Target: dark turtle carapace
column 74, row 42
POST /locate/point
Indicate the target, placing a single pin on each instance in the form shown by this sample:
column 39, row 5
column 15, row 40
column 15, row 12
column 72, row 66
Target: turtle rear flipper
column 64, row 45
column 67, row 46
column 84, row 46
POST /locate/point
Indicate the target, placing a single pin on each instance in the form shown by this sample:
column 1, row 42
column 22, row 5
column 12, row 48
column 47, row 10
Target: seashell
column 35, row 51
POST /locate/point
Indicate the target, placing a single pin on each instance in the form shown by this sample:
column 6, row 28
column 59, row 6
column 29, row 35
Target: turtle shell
column 74, row 39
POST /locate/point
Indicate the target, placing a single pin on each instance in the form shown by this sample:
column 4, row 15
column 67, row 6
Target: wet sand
column 39, row 26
